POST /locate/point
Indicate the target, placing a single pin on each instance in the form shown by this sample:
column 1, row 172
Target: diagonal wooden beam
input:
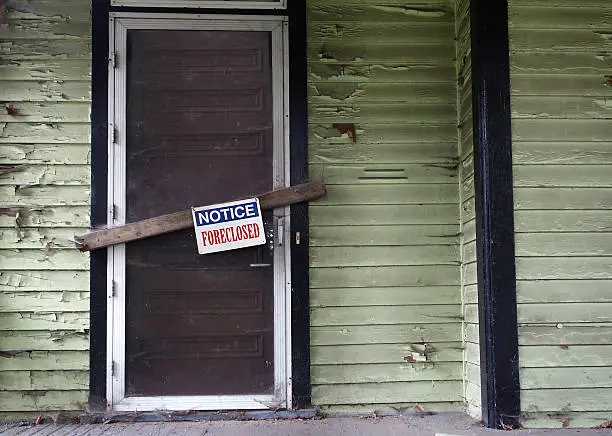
column 183, row 220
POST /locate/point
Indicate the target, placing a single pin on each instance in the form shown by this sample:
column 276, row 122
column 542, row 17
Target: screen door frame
column 119, row 24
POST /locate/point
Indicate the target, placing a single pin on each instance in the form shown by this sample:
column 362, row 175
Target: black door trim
column 299, row 213
column 495, row 214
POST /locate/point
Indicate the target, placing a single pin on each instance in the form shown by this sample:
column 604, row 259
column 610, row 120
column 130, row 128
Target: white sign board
column 228, row 226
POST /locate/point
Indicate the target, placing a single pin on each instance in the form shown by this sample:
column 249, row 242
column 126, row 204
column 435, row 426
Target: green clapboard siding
column 44, row 131
column 385, row 256
column 471, row 374
column 561, row 65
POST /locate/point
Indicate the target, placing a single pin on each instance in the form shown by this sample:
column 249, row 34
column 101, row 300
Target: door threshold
column 191, row 415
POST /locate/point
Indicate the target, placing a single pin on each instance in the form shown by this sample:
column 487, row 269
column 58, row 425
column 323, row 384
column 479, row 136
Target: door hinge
column 114, row 212
column 114, row 288
column 114, row 134
column 114, row 60
column 113, row 368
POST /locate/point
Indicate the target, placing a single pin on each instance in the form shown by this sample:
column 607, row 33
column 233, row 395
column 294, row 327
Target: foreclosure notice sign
column 228, row 226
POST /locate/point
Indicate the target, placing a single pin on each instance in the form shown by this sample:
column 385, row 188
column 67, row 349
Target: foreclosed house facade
column 461, row 259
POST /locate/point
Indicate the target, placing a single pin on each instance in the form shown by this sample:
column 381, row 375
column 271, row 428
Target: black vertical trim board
column 494, row 214
column 300, row 318
column 300, row 310
column 99, row 173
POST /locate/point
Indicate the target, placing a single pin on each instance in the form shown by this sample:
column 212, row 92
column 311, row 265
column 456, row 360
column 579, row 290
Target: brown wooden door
column 199, row 131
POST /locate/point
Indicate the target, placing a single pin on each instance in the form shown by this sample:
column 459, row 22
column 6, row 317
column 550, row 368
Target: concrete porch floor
column 435, row 425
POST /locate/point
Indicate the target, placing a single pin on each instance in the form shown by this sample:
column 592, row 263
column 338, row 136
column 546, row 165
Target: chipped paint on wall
column 44, row 186
column 384, row 257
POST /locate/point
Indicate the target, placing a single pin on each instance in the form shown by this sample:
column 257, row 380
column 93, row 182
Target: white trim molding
column 204, row 4
column 120, row 24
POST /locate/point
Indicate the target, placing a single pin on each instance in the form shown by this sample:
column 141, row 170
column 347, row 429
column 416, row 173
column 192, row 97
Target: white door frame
column 120, row 23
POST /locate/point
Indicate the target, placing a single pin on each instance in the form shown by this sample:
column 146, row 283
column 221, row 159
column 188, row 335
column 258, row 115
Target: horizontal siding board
column 381, row 256
column 43, row 28
column 387, row 393
column 381, row 235
column 358, row 93
column 32, row 260
column 555, row 64
column 558, row 420
column 389, row 194
column 563, row 244
column 384, row 296
column 380, row 315
column 563, row 198
column 47, row 361
column 562, row 268
column 393, row 409
column 593, row 84
column 320, row 71
column 41, row 153
column 438, row 154
column 562, row 312
column 43, row 400
column 37, row 238
column 46, row 112
column 44, row 301
column 44, row 321
column 592, row 399
column 384, row 373
column 57, row 69
column 377, row 174
column 40, row 281
column 432, row 13
column 558, row 17
column 557, row 378
column 563, row 221
column 45, row 91
column 379, row 134
column 46, row 340
column 393, row 333
column 382, row 353
column 43, row 380
column 41, row 195
column 50, row 219
column 562, row 175
column 566, row 130
column 579, row 39
column 356, row 277
column 377, row 52
column 48, row 175
column 365, row 31
column 76, row 10
column 560, row 356
column 562, row 153
column 29, row 133
column 394, row 214
column 45, row 49
column 563, row 291
column 565, row 333
column 545, row 107
column 382, row 113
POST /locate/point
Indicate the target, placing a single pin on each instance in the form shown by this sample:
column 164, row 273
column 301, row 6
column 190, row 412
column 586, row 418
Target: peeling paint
column 413, row 11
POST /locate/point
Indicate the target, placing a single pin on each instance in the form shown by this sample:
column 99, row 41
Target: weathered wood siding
column 561, row 72
column 385, row 255
column 44, row 131
column 469, row 287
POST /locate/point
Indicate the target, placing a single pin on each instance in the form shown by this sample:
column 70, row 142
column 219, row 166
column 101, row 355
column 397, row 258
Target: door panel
column 199, row 131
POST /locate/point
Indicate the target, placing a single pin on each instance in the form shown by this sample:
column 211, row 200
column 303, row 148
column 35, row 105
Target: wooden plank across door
column 183, row 219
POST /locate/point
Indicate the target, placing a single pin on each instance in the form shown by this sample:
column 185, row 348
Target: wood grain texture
column 384, row 256
column 45, row 96
column 392, row 333
column 590, row 333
